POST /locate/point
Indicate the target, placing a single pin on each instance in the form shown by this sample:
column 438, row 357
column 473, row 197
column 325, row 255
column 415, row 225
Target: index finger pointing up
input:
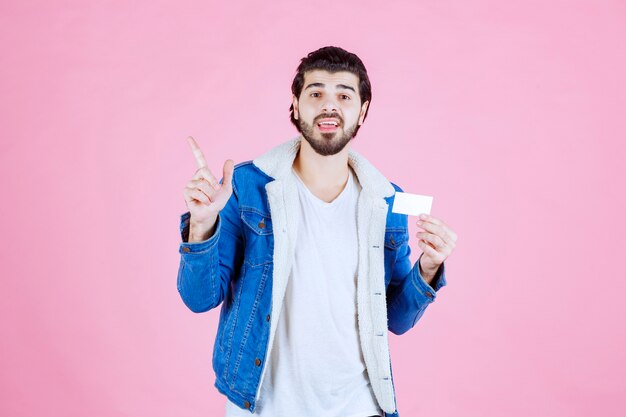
column 197, row 153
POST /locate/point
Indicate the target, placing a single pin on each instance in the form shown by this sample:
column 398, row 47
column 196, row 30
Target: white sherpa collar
column 277, row 163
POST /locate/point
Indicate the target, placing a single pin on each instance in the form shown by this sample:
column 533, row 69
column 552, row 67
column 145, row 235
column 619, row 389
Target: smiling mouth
column 328, row 126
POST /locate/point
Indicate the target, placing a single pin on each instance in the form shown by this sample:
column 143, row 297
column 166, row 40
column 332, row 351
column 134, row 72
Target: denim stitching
column 253, row 209
column 230, row 343
column 243, row 340
column 400, row 236
column 251, row 224
column 252, row 313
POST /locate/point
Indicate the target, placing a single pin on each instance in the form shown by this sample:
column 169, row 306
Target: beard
column 331, row 143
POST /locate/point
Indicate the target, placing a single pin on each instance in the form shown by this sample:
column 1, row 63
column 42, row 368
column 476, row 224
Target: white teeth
column 329, row 123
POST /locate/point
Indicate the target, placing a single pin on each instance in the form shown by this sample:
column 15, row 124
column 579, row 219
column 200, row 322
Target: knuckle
column 208, row 189
column 199, row 196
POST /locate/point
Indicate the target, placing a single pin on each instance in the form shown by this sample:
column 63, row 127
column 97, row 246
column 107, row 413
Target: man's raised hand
column 204, row 195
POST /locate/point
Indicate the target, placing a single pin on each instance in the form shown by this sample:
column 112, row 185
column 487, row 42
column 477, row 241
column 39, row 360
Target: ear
column 363, row 110
column 294, row 102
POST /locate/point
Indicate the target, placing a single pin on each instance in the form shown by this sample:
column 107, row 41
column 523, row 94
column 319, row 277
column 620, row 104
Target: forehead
column 331, row 79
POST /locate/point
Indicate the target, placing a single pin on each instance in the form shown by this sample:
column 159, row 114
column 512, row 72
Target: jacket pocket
column 394, row 239
column 259, row 236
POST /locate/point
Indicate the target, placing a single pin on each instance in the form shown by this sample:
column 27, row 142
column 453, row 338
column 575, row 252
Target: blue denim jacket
column 245, row 266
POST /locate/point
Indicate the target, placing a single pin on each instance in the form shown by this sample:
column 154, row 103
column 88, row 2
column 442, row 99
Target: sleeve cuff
column 430, row 290
column 196, row 247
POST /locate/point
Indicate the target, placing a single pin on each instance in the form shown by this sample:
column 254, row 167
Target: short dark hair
column 332, row 59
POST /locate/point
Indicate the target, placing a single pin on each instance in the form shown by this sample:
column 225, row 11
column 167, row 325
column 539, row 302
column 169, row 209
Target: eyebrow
column 339, row 86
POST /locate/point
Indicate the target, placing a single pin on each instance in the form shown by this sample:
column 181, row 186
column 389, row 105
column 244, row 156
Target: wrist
column 427, row 273
column 201, row 231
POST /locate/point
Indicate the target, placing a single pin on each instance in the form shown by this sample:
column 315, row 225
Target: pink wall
column 511, row 114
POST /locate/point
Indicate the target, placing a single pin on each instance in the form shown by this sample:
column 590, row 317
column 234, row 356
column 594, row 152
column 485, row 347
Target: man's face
column 329, row 97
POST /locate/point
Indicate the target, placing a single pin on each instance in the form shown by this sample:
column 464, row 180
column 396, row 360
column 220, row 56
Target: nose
column 330, row 106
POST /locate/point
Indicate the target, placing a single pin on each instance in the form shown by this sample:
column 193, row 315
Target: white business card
column 411, row 204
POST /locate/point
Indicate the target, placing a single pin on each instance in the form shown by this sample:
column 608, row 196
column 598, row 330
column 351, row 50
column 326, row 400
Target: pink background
column 511, row 114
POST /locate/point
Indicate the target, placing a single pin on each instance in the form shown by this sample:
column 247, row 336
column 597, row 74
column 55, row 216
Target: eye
column 314, row 93
column 346, row 96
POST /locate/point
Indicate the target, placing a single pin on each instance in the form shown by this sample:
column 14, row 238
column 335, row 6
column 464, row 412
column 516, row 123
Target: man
column 311, row 266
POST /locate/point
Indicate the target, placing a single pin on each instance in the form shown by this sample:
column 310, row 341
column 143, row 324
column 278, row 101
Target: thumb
column 229, row 167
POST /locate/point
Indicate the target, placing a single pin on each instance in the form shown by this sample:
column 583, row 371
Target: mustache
column 329, row 116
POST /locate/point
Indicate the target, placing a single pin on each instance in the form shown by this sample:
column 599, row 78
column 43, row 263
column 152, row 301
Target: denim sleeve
column 206, row 267
column 408, row 294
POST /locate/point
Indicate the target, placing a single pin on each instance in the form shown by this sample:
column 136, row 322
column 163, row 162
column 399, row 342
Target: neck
column 321, row 172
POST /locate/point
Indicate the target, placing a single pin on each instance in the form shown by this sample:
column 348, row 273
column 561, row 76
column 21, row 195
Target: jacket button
column 246, row 404
column 186, row 249
column 429, row 295
column 262, row 225
column 267, row 318
column 257, row 362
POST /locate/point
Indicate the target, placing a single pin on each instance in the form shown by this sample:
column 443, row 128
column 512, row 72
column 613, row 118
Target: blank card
column 411, row 204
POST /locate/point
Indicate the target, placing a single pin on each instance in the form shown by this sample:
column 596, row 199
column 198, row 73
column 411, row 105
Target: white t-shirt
column 316, row 367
